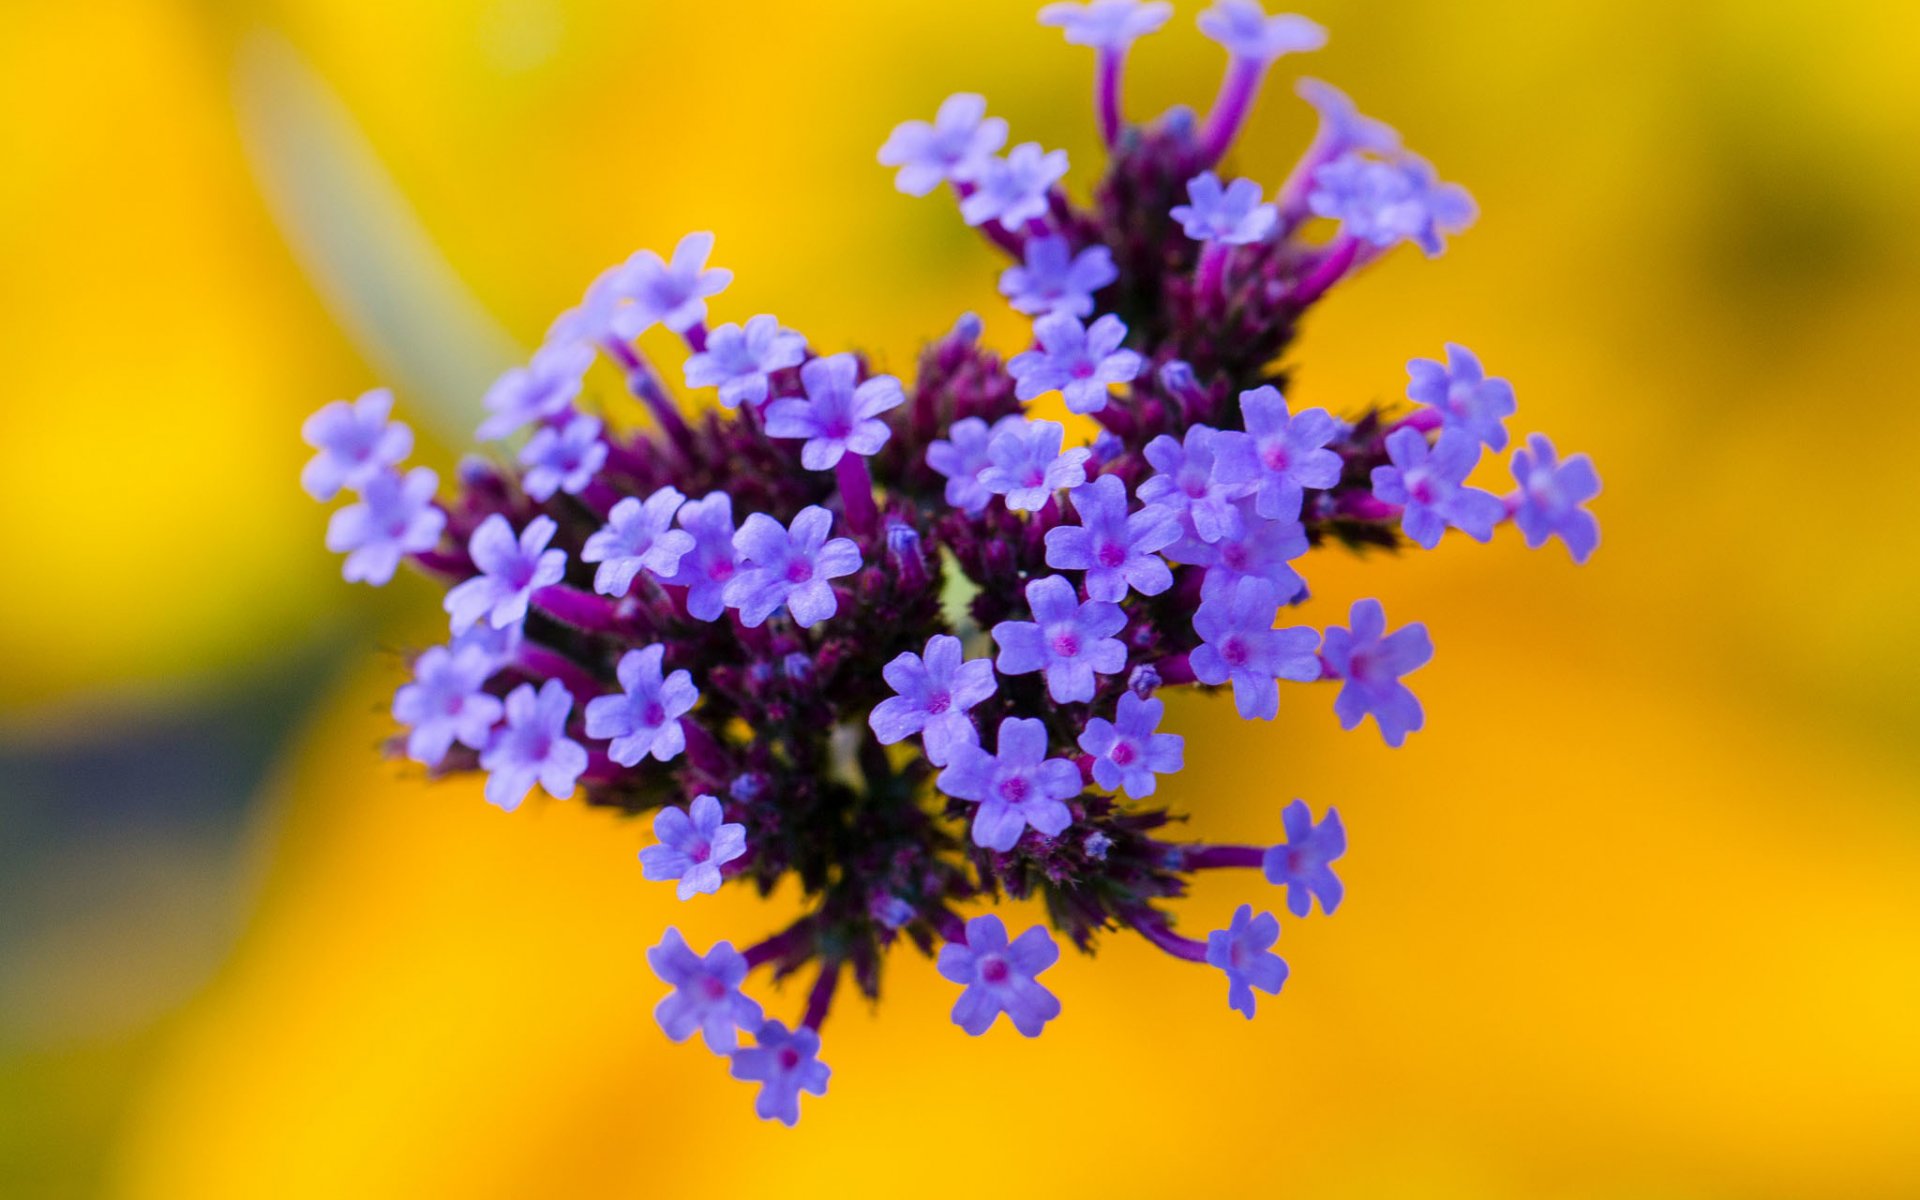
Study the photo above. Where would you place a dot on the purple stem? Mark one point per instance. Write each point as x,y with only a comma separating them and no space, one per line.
1426,420
1331,268
1291,199
1106,92
1237,90
541,663
994,231
582,610
1212,274
643,384
951,927
696,336
1153,927
702,750
856,493
1174,671
442,562
820,999
1365,506
1201,858
780,945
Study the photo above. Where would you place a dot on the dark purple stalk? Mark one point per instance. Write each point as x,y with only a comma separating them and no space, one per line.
642,382
1153,927
582,610
1237,90
1201,858
1331,268
1106,91
820,999
540,663
856,493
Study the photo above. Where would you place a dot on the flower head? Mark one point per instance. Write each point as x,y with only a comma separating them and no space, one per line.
789,566
1069,639
1080,362
447,702
1016,786
511,571
710,565
1118,550
1014,190
1026,464
637,536
356,443
1383,203
933,693
1463,395
706,993
395,517
1248,33
540,391
1282,454
1429,481
1301,863
1550,496
1243,951
1106,24
1233,216
564,459
694,845
1127,752
835,416
1186,480
644,719
955,147
1240,644
1055,279
1001,977
533,747
738,361
672,293
1371,661
784,1064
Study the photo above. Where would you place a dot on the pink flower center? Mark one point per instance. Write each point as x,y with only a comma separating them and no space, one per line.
995,970
1065,645
1111,554
1123,753
799,571
938,703
1013,790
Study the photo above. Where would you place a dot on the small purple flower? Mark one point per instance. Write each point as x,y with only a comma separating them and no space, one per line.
706,993
500,646
1081,362
1127,753
533,747
961,456
1248,33
934,695
511,572
447,702
737,361
1239,643
637,536
1300,864
1070,640
1016,786
1233,216
1013,190
674,293
564,459
395,517
1117,549
539,391
710,565
1463,396
1283,454
644,718
1185,479
1054,279
1371,661
1342,127
1243,951
1550,496
956,146
1001,977
784,1064
835,417
356,443
694,845
1429,481
1258,549
1026,464
789,566
1382,203
1106,24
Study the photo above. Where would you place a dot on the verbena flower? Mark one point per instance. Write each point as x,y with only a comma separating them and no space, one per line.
900,649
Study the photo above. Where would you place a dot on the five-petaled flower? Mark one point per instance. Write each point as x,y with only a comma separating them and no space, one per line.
1463,395
1301,864
356,443
1001,977
1342,126
1258,548
789,566
1282,454
1127,752
1233,216
543,390
738,361
1069,639
1371,661
1014,190
835,417
511,571
1239,643
1118,550
1080,362
1248,33
711,563
694,844
1016,786
447,702
1244,951
1383,203
1106,24
784,1064
1025,463
395,517
1052,278
955,147
673,293
563,459
706,993
962,455
533,747
1551,493
644,717
933,695
1187,479
637,536
1429,481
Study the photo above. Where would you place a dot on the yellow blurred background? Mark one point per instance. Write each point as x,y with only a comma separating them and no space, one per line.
1637,915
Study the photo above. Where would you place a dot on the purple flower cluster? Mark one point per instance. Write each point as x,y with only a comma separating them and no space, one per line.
898,642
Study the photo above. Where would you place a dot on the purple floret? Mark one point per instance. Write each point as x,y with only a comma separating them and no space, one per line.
1243,951
1300,864
706,993
1016,786
694,845
1127,753
637,537
1106,24
1026,464
1550,496
1054,279
1118,550
789,566
564,459
738,361
644,718
1248,33
1463,396
934,694
1372,662
1240,644
1382,203
835,417
710,565
1013,190
533,747
1283,454
1342,127
1231,216
955,147
511,572
1080,362
447,703
1259,549
962,455
1069,639
356,443
673,293
395,517
784,1064
1187,480
1429,482
1001,977
540,391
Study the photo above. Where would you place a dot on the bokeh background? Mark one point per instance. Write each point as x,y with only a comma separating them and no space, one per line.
1636,915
